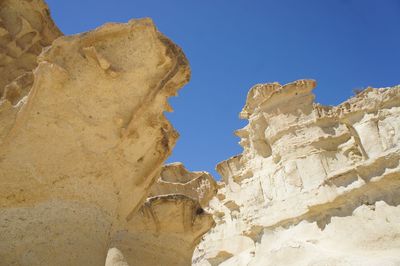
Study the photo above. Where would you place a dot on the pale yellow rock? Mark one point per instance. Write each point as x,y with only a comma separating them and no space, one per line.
25,28
315,185
176,179
80,152
167,228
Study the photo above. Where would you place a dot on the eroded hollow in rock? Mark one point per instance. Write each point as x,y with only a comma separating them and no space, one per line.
171,222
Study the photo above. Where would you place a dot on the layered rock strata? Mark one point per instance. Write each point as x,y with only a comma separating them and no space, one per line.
315,185
169,225
80,152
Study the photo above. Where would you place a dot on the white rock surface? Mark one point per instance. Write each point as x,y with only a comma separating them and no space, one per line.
315,185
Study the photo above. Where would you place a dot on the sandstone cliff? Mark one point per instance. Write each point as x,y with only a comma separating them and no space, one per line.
315,185
83,142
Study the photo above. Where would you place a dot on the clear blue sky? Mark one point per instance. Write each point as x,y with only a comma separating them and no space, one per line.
232,45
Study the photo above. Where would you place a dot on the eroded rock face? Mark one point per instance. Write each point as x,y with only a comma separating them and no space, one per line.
79,154
315,185
25,28
169,225
83,139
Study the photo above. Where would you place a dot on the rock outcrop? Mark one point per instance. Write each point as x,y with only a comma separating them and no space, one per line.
169,225
315,185
80,152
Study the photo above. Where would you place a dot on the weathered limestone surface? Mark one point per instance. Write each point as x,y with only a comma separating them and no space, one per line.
83,139
25,28
79,153
169,225
315,185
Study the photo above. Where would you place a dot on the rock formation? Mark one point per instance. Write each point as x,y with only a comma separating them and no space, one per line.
83,140
80,152
315,185
169,225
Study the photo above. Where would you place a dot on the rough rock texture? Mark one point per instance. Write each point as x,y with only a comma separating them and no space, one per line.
83,139
315,185
80,152
169,225
25,28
